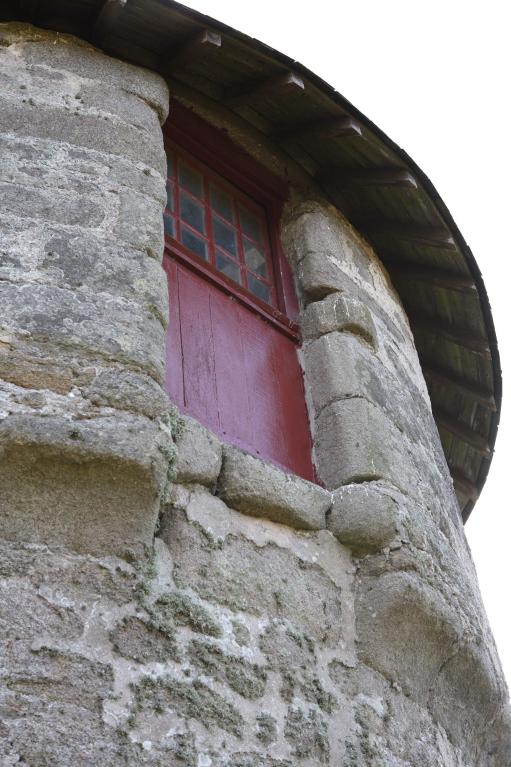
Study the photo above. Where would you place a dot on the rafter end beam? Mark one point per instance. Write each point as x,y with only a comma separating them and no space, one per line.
368,177
199,46
435,277
321,130
107,17
432,236
445,378
286,82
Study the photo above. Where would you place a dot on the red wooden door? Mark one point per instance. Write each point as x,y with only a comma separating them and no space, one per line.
235,372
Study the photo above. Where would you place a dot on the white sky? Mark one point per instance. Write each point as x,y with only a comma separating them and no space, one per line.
435,77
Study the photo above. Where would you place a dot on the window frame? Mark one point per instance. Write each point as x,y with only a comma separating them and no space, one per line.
208,146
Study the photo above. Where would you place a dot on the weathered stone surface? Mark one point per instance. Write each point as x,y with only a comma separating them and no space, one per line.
356,441
60,53
265,577
340,366
83,298
199,453
261,490
125,390
92,485
319,275
106,325
55,676
338,312
364,516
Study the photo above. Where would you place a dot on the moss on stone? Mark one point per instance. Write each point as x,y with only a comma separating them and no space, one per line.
183,749
266,728
307,734
254,759
241,633
247,679
179,608
143,641
191,701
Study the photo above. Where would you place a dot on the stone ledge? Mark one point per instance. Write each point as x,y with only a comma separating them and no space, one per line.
92,485
338,312
258,489
365,516
199,453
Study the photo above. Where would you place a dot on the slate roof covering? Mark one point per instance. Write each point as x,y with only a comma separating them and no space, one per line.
373,181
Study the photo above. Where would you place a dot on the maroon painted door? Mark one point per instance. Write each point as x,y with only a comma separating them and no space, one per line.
235,372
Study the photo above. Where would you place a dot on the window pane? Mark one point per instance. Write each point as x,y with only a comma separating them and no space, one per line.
190,179
254,258
250,224
225,237
259,289
170,196
171,172
194,243
191,211
221,203
227,267
168,225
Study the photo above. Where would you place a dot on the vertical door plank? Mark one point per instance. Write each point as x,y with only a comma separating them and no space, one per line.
199,375
235,417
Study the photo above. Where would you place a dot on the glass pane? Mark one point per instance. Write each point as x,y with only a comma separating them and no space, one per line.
221,203
254,258
227,267
191,211
170,196
168,225
190,179
259,289
194,243
251,225
225,237
171,172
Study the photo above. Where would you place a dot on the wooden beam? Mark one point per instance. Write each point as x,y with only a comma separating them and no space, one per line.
476,441
195,48
440,279
457,336
332,127
281,83
106,19
464,485
386,177
446,378
432,236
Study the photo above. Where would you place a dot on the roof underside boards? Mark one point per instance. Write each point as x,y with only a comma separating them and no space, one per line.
376,185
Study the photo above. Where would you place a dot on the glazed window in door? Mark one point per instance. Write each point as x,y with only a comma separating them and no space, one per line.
231,351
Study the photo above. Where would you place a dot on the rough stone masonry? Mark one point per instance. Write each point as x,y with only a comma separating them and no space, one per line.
166,599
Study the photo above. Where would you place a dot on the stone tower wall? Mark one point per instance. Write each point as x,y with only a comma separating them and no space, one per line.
166,599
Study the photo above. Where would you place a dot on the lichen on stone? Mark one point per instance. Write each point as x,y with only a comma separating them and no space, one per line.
266,728
179,608
247,679
307,734
143,641
190,701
